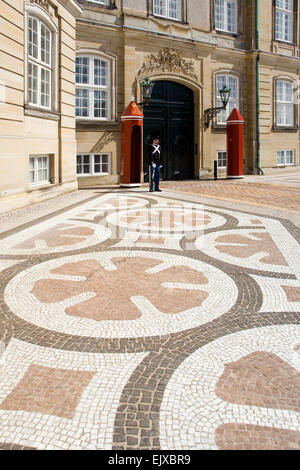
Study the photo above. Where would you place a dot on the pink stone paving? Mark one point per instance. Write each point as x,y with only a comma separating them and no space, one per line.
292,293
260,379
251,247
152,240
114,289
59,235
49,391
166,218
151,383
116,202
249,437
256,194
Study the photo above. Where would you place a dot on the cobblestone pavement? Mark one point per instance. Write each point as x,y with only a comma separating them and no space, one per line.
270,193
135,321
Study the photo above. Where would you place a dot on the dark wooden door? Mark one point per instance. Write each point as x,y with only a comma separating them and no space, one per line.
170,115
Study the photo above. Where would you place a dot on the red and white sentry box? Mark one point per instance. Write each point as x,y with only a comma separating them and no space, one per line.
235,145
132,141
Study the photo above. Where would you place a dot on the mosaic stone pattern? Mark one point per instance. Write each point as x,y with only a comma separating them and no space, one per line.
259,194
250,437
46,390
137,321
260,379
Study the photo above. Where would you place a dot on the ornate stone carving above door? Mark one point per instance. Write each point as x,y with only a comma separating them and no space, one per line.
168,60
42,3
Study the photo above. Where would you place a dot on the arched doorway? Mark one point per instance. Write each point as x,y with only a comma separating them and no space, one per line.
170,115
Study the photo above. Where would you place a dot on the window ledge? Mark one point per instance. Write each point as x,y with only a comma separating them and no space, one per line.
220,32
284,43
166,18
285,128
285,165
41,113
95,122
219,128
91,3
42,186
89,175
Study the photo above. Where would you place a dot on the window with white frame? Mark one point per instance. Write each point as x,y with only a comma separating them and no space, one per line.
90,164
226,15
232,83
284,103
168,8
39,169
93,88
39,63
284,20
285,157
222,159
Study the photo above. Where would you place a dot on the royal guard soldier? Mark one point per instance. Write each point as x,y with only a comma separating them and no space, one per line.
154,164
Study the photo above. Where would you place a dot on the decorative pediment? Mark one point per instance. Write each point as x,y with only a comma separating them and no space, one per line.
168,60
42,3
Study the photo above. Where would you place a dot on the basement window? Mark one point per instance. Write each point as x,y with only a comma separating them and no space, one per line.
39,170
285,157
222,159
91,164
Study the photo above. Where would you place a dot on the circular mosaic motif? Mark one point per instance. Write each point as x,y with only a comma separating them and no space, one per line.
47,238
120,294
166,220
249,248
250,378
120,202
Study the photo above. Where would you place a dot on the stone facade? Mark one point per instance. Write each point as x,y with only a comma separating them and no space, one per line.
131,41
136,40
30,132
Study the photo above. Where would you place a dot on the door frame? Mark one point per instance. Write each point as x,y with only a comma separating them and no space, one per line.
197,88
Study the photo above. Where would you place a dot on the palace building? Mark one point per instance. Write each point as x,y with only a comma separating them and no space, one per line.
37,106
70,68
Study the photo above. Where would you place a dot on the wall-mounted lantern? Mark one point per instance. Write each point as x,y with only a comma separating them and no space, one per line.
211,113
147,87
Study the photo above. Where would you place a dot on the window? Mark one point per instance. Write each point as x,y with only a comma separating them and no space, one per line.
222,159
284,20
232,83
93,85
39,172
285,157
93,164
284,103
168,8
226,15
39,67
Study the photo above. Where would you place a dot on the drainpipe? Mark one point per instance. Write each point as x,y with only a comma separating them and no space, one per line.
260,170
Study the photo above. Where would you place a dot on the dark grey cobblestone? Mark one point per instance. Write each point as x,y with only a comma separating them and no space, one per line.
136,423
